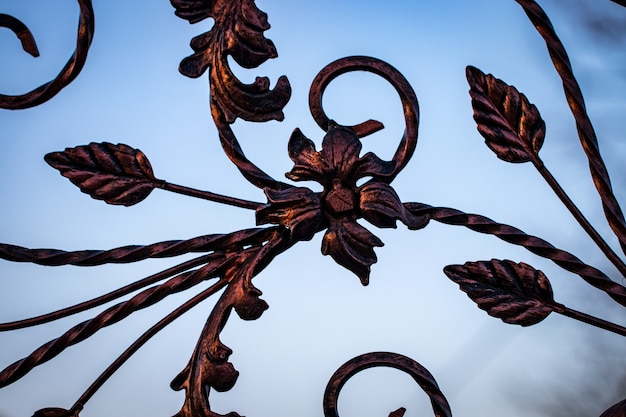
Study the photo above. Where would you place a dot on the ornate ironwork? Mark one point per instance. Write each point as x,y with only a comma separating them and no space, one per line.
354,187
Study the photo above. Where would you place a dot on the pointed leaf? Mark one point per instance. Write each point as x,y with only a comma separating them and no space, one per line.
381,206
514,293
296,208
117,174
351,246
511,125
340,149
309,164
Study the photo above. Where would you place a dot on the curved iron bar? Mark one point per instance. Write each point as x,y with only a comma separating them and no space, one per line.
237,32
133,253
95,386
255,175
108,317
393,360
586,133
403,88
70,71
534,244
21,31
582,220
113,295
126,254
209,367
241,265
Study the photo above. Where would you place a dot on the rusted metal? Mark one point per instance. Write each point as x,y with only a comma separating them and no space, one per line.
514,292
21,31
69,72
360,363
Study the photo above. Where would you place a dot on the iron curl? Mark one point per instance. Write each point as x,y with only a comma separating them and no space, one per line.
70,71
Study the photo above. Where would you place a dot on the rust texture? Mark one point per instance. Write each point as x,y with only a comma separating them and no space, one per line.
69,72
119,174
420,375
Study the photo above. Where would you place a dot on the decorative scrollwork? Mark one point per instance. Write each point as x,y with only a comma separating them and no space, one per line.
512,127
70,71
419,374
21,31
238,32
337,167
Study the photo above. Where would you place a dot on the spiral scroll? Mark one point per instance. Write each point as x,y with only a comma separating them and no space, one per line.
70,71
393,360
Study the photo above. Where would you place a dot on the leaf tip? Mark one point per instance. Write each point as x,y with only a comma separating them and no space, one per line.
473,74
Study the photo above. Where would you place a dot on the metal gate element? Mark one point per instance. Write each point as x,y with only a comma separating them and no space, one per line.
354,186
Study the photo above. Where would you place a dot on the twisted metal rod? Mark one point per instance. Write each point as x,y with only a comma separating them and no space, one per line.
132,253
217,243
113,295
420,374
579,216
533,244
95,386
576,102
110,316
21,31
70,71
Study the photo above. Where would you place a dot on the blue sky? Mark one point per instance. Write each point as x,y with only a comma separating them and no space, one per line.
320,316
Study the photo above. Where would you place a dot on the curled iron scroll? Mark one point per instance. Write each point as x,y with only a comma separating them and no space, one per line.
69,72
403,88
393,360
21,31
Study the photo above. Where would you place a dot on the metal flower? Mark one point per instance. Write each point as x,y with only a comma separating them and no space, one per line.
338,167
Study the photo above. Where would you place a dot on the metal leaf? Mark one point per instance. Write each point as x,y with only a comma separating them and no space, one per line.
511,125
117,174
514,293
381,206
351,246
237,32
296,208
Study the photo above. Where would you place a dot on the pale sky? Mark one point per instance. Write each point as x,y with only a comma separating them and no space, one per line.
320,316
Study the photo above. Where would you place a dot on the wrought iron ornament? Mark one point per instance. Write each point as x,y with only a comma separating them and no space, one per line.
119,174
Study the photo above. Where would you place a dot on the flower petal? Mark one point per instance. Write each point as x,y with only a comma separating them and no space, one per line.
381,206
298,209
340,150
309,164
351,246
370,165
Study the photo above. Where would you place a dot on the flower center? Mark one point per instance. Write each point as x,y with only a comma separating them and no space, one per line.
340,200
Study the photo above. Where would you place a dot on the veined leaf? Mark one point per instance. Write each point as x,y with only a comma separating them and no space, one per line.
514,293
117,174
511,125
351,246
238,32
